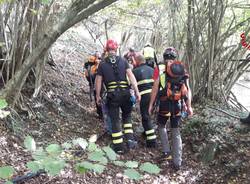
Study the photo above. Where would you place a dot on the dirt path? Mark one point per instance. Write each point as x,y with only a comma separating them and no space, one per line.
63,112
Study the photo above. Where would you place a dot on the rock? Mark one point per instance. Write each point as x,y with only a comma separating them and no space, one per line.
209,151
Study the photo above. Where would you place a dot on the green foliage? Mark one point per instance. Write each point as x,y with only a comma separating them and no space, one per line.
90,166
150,168
119,163
132,174
34,166
131,164
30,143
3,102
6,172
80,168
192,126
110,153
92,147
54,150
39,154
52,159
53,166
98,156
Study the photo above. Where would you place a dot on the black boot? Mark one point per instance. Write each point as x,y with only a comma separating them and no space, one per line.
151,143
245,120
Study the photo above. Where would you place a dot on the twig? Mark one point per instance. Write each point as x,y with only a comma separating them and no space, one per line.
238,103
242,85
220,110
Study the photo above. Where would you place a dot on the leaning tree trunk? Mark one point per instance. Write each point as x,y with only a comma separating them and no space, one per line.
209,54
77,11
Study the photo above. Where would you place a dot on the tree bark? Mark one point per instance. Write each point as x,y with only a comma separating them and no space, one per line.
77,11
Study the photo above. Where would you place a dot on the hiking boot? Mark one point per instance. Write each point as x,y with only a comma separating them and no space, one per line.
165,157
131,144
151,144
245,120
118,149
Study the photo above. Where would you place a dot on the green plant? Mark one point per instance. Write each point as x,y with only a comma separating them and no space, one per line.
55,157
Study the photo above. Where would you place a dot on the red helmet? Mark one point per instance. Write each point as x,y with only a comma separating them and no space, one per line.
111,45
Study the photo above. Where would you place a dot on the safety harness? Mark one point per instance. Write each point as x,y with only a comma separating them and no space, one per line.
118,84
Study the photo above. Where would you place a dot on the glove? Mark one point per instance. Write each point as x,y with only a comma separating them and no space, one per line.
133,100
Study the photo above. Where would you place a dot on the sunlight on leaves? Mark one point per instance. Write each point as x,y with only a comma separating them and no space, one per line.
6,172
132,174
30,143
81,142
150,168
110,153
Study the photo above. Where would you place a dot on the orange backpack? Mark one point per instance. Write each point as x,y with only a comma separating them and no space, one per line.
173,82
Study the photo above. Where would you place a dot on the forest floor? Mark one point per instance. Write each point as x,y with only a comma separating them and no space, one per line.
63,111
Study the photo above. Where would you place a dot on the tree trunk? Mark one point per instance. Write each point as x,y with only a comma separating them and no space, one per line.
77,11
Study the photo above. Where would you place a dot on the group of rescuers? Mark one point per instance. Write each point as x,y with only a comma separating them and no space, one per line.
163,86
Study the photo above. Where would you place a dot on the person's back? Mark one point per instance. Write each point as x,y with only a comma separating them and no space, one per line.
149,55
175,94
113,71
143,74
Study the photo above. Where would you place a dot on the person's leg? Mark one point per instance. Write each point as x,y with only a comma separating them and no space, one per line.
117,135
98,107
146,121
126,108
176,141
163,134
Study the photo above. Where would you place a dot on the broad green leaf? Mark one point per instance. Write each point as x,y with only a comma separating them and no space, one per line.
98,156
87,165
98,168
53,166
6,172
119,163
81,169
93,138
93,167
30,143
110,153
132,174
3,103
150,168
67,145
39,154
81,142
54,149
92,147
34,166
131,164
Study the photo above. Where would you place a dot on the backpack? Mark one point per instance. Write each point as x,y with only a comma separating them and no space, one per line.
173,82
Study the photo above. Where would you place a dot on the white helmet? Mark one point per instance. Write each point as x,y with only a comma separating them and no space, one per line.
148,44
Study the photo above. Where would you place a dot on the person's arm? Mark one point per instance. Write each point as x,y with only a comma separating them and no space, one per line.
98,86
153,95
189,99
133,82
